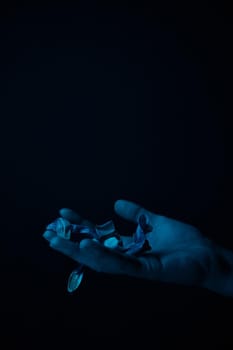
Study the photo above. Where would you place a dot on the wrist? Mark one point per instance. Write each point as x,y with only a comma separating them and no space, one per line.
220,276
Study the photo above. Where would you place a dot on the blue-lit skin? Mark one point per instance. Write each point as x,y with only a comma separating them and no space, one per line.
105,234
180,253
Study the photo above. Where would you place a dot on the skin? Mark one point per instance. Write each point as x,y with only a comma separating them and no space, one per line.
180,253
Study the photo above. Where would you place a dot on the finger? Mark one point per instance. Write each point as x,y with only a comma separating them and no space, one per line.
129,210
74,218
49,234
100,258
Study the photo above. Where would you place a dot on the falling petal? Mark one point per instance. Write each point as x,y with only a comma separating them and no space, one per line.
75,279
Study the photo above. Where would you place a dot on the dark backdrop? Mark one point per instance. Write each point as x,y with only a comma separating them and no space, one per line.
101,101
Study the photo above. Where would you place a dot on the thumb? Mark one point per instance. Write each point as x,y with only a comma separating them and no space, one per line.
130,210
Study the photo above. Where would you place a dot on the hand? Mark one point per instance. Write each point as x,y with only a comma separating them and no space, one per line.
179,254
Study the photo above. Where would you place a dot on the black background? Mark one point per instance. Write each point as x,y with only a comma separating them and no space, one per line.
100,101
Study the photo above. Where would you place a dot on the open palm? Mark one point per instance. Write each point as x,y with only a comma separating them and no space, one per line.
179,253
